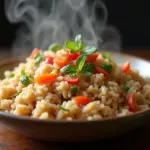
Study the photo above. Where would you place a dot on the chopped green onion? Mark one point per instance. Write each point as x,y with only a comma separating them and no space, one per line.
107,55
107,67
23,72
54,47
73,89
38,58
25,80
12,75
126,88
17,94
64,109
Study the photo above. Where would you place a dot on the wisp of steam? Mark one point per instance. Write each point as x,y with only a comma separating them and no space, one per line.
43,22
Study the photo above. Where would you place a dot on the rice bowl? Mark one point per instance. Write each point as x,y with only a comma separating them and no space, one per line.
74,82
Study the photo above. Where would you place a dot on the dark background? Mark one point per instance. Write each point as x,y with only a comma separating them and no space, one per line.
131,17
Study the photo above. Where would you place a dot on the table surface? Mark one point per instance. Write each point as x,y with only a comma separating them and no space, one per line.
138,139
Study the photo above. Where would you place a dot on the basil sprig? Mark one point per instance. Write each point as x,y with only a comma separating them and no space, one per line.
81,67
54,47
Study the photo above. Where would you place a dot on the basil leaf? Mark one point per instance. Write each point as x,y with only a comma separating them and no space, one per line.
73,89
107,67
70,45
89,50
87,73
80,62
38,58
64,109
23,72
12,75
54,47
89,67
69,69
78,41
73,74
25,80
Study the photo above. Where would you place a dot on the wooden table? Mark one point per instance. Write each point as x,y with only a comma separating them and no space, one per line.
135,140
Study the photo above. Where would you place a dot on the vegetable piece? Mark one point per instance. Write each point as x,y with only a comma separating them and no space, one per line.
82,100
12,75
74,56
54,47
49,60
78,41
25,80
73,89
46,78
107,55
80,62
69,69
23,72
126,88
92,58
89,50
100,70
73,81
17,94
71,45
62,108
107,67
38,58
132,103
61,61
125,67
34,52
88,69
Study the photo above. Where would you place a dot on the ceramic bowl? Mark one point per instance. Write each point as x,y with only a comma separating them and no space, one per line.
77,130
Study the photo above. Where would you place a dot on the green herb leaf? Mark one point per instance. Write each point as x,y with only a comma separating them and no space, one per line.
73,74
71,45
23,73
78,41
54,47
126,88
107,67
80,62
69,69
73,89
12,75
25,80
38,58
107,55
89,67
17,94
87,73
89,50
64,109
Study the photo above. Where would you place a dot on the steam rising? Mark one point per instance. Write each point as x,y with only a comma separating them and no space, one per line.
47,21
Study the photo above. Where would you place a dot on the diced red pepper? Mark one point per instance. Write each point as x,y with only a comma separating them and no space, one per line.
74,56
82,100
100,70
73,81
49,60
132,103
34,52
92,58
125,67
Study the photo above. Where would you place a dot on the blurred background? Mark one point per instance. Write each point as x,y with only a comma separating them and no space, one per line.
130,17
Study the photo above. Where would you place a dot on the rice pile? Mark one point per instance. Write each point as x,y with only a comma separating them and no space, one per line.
110,92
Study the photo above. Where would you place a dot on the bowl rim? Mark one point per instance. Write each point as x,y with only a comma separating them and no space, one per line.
17,59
